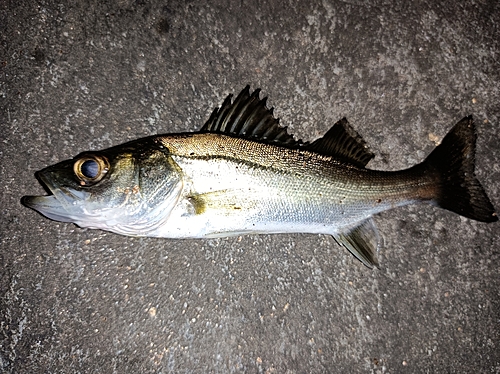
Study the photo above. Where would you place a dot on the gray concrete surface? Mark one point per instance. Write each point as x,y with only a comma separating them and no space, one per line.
87,75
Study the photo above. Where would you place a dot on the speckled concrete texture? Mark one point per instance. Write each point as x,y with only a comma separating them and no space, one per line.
85,75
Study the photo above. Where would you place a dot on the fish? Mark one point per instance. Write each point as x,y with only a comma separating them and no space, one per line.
243,173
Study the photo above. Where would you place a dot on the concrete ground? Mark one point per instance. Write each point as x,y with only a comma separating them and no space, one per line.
86,75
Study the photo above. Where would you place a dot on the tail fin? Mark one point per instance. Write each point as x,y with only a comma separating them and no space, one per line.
453,160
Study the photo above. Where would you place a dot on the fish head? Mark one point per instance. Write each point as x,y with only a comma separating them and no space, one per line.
129,189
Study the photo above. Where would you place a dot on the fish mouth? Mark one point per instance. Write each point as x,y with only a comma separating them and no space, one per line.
60,202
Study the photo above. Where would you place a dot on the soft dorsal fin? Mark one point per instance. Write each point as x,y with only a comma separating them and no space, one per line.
344,143
248,117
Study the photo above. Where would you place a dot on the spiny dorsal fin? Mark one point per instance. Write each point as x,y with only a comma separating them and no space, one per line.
362,241
344,143
248,117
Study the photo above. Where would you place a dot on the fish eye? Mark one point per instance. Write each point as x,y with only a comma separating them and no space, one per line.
90,169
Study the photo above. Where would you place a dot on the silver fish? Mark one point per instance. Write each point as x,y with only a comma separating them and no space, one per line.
244,174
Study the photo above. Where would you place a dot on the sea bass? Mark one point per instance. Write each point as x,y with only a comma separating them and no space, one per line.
243,173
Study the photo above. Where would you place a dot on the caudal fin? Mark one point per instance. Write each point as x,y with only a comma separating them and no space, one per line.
453,160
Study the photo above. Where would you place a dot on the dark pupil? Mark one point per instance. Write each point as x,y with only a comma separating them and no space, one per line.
90,169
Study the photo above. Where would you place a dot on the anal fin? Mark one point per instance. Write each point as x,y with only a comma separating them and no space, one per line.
362,241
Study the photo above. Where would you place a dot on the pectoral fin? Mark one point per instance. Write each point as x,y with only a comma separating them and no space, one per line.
362,241
226,202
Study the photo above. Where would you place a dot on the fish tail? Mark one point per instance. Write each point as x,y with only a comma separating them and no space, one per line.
458,188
